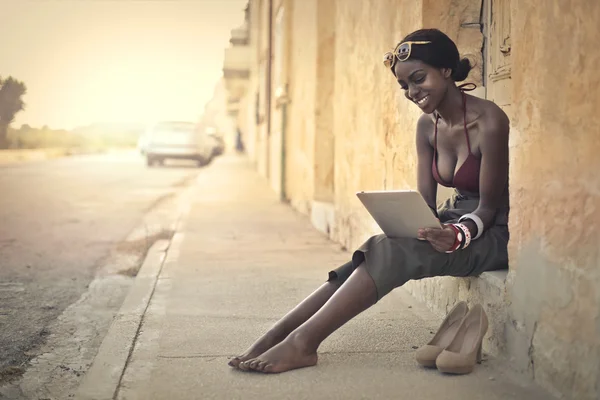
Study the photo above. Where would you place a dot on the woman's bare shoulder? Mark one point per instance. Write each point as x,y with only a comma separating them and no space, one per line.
492,118
425,127
425,124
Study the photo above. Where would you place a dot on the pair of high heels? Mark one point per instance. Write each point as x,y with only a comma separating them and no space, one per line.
456,346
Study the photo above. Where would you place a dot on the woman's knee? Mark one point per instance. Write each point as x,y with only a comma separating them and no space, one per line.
377,239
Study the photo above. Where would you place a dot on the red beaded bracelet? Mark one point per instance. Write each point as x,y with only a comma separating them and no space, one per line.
457,240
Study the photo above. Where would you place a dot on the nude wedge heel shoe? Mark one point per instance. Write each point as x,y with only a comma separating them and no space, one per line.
465,349
427,355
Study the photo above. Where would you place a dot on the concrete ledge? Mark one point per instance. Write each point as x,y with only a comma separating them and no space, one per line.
495,278
102,379
440,294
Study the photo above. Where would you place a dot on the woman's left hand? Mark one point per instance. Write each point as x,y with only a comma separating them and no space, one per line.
441,239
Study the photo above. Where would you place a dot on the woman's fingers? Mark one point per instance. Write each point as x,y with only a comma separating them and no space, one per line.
441,239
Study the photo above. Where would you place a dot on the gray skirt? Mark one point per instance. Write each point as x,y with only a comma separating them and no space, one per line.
393,262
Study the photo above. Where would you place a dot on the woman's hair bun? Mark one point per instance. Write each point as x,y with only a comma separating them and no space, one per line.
461,71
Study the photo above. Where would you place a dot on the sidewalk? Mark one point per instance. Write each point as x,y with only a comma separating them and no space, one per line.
241,260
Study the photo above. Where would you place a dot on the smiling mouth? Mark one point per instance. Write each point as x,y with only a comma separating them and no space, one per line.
422,101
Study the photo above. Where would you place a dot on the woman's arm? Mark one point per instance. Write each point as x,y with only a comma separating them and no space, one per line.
426,184
494,168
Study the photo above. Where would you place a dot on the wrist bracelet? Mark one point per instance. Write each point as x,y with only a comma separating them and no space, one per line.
463,237
478,222
467,235
457,240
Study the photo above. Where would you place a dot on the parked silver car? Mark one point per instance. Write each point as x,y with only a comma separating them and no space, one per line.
177,140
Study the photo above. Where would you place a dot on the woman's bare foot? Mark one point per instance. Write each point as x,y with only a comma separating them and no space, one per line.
292,320
287,355
263,344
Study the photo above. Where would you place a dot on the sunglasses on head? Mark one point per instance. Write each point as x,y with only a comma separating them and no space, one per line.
400,53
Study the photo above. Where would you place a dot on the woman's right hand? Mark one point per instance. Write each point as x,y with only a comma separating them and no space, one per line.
441,239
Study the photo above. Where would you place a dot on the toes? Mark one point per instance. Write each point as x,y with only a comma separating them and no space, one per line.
245,365
254,364
261,365
234,362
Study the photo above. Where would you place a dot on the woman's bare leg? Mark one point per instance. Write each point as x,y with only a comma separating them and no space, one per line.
299,348
293,319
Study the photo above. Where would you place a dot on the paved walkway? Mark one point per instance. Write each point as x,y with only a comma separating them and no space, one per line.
241,260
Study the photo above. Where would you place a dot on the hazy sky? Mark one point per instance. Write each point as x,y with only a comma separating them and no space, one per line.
87,61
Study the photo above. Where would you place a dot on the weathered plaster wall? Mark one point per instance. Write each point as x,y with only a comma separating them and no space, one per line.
300,133
374,126
262,54
278,78
247,116
461,21
550,326
554,283
324,129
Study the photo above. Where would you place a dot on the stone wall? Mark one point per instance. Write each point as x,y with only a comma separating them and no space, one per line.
554,282
461,21
302,84
261,75
246,119
545,317
324,162
374,124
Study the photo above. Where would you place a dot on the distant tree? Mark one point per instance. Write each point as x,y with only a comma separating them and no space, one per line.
11,102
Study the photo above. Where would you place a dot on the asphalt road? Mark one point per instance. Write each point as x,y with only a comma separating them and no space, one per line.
59,221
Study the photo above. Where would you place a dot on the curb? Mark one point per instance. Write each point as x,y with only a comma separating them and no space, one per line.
102,380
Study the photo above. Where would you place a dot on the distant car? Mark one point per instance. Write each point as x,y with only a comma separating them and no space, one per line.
177,140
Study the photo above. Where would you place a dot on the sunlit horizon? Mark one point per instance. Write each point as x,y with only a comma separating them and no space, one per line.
87,62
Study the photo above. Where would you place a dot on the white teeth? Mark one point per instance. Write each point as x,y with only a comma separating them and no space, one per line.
423,100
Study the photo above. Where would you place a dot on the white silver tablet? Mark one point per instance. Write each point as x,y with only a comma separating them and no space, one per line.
399,213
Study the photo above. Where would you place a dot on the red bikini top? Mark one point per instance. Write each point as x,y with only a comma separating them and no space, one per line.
467,176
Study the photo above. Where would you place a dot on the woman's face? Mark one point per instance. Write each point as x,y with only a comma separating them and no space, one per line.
423,84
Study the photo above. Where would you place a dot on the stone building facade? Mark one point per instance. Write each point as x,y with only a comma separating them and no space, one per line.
322,119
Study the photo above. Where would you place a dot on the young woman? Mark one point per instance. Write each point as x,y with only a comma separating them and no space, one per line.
462,142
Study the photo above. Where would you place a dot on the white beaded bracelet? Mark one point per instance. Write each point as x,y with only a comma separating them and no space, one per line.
467,234
478,222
